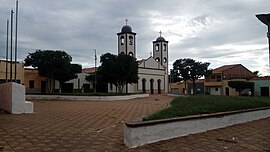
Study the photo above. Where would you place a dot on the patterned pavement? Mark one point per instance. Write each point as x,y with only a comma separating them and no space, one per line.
98,126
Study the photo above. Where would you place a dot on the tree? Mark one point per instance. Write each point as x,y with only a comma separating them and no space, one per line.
119,70
189,69
54,65
241,85
256,73
69,72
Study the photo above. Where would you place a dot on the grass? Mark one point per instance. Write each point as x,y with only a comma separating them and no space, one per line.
192,105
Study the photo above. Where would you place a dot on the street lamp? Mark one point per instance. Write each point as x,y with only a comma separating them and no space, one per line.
265,18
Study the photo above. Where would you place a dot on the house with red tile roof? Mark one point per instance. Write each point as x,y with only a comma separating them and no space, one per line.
217,82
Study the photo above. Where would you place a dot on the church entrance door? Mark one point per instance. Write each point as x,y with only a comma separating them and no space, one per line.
152,86
159,83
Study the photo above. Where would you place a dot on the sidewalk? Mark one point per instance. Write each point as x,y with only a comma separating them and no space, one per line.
98,126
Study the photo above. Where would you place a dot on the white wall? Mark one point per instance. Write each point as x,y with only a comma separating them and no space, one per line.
12,99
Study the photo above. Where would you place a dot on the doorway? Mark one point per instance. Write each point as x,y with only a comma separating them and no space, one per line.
151,86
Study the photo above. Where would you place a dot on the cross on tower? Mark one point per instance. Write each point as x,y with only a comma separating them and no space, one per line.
160,33
126,21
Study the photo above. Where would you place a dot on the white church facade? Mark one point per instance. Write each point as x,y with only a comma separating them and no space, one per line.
152,72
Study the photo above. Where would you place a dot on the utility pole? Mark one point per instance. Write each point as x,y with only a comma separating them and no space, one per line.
95,71
11,38
7,52
16,40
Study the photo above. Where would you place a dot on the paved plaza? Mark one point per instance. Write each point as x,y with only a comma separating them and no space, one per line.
98,126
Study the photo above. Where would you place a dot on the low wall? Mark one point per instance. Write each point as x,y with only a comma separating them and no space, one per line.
12,99
85,98
140,133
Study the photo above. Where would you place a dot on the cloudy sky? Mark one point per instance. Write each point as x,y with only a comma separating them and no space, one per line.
219,32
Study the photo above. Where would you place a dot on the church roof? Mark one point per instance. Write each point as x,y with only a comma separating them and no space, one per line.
126,29
160,39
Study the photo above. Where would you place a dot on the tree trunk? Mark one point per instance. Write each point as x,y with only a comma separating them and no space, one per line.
194,87
185,87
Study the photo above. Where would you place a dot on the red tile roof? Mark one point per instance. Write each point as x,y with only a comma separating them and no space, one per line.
224,68
262,78
88,70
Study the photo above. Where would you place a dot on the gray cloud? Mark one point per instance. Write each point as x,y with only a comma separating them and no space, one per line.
211,31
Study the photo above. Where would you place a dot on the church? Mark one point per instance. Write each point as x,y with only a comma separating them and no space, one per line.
152,71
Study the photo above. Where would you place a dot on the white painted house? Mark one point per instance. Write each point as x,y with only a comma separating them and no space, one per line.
153,71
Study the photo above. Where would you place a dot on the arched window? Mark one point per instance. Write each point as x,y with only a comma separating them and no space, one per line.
164,60
130,53
164,47
130,40
157,59
157,47
122,53
122,39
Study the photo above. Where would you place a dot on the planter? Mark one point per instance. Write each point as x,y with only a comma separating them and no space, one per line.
140,133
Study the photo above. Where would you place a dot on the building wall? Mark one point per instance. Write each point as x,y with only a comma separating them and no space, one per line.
32,75
258,84
77,83
232,91
199,88
20,71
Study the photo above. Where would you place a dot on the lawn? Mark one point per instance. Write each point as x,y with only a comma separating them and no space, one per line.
202,104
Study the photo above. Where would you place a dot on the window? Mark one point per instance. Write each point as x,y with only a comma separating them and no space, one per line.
157,59
216,89
157,47
164,60
31,84
213,77
122,39
130,54
130,40
219,78
164,47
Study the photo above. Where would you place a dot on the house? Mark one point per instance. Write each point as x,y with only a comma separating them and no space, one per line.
217,82
33,82
261,86
180,87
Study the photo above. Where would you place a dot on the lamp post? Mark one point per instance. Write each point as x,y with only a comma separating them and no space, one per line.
265,18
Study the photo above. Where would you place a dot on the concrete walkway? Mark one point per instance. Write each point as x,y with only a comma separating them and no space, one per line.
98,126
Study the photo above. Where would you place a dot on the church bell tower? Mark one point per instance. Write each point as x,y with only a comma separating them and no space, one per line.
127,41
160,51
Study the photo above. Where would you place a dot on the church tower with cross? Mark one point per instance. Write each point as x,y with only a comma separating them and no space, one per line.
127,41
152,71
160,50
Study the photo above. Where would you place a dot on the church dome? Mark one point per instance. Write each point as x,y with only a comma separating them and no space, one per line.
160,39
126,29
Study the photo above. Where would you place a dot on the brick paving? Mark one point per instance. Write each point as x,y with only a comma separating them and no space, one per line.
98,126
